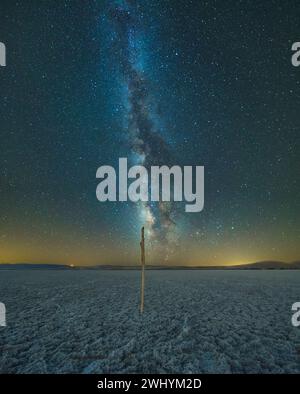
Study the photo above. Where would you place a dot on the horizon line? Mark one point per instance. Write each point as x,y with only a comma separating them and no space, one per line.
149,265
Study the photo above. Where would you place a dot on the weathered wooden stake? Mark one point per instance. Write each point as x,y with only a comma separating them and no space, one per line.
142,243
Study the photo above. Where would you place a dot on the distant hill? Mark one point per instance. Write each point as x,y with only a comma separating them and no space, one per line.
29,266
257,265
269,265
260,265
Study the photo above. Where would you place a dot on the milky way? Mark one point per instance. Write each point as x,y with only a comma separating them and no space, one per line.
146,140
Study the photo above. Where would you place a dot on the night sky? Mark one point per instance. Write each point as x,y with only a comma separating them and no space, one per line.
184,82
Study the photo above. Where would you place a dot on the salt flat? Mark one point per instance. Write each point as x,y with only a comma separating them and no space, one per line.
194,321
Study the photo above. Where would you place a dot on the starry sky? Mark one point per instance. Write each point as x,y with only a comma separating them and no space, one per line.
185,82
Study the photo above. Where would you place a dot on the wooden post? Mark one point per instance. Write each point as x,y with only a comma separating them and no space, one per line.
142,243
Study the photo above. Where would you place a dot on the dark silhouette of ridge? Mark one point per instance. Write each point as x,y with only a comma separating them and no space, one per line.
260,265
25,266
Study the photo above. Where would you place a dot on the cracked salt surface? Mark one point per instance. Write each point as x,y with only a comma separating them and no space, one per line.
194,322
